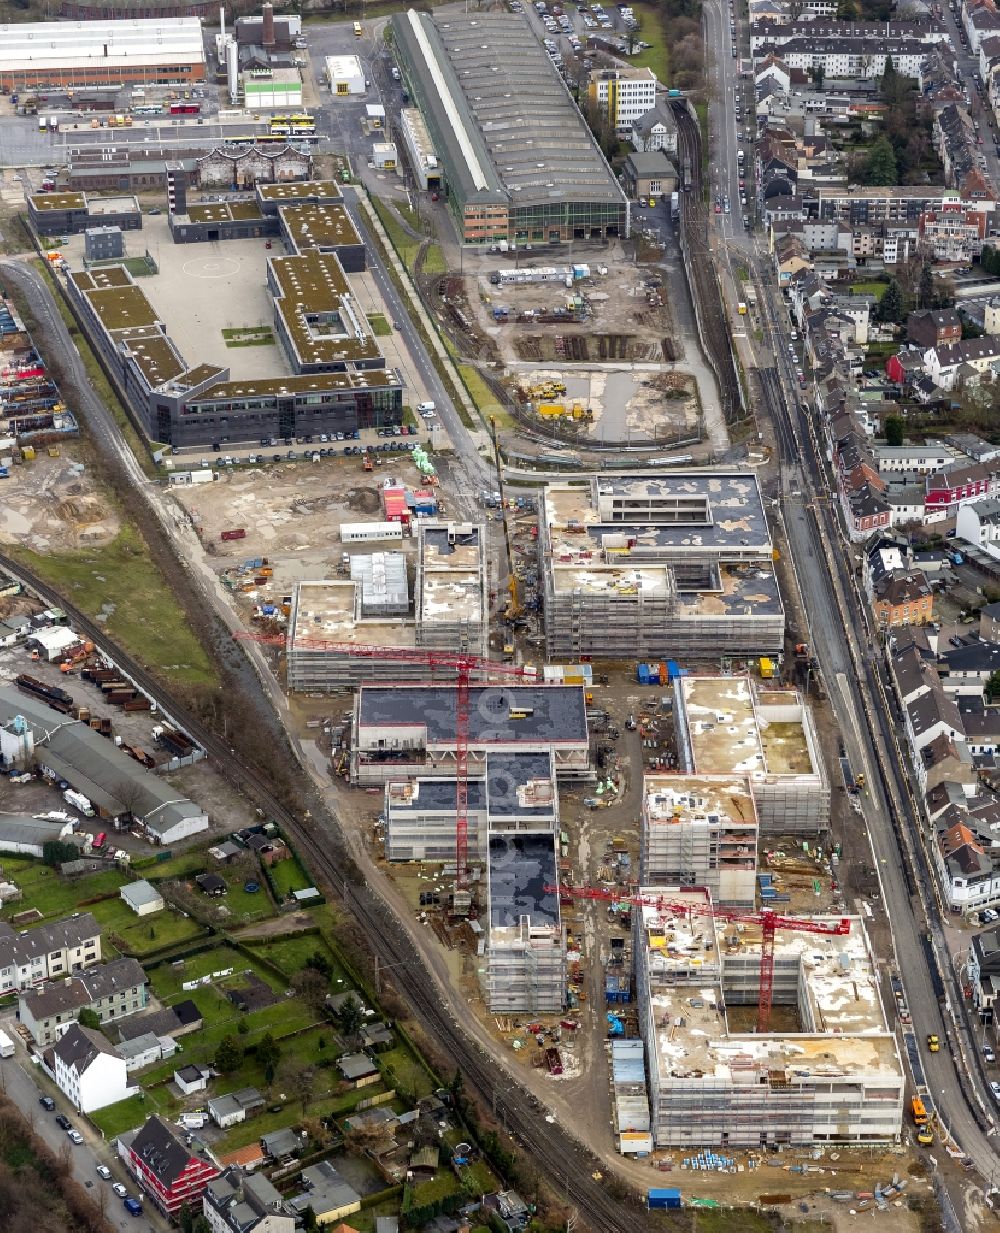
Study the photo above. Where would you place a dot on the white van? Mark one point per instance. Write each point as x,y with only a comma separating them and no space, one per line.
424,407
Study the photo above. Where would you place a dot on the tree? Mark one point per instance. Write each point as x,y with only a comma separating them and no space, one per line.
311,986
299,1080
309,1222
970,329
889,83
54,852
268,1055
890,307
229,1055
350,1016
925,290
89,1019
321,963
992,690
894,430
879,166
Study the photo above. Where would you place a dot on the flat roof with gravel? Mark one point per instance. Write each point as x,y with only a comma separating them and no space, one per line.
328,610
122,307
153,352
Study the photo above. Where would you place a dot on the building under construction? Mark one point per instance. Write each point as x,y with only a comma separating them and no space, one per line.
700,831
450,613
517,793
526,942
730,725
408,730
657,567
452,600
836,1077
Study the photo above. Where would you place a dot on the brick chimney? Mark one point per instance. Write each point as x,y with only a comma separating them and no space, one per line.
267,31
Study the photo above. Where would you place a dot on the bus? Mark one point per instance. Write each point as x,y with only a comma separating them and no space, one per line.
357,30
300,123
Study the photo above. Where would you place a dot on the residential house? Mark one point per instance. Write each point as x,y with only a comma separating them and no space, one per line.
235,1107
246,1158
47,952
979,524
211,884
235,1203
509,1208
983,971
88,1069
903,598
982,729
113,991
172,1021
965,669
928,327
942,364
327,1193
945,760
164,1167
958,485
142,897
930,715
656,129
192,1078
968,878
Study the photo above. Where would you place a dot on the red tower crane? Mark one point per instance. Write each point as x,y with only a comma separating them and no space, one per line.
766,918
463,666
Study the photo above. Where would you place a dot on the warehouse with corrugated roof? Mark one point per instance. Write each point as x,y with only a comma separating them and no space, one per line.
518,160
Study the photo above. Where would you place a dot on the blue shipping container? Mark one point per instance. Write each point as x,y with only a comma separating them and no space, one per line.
642,673
662,1197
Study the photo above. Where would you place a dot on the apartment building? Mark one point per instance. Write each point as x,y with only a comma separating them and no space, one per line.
169,1172
838,1078
658,566
112,990
903,597
236,1203
700,831
452,592
730,726
853,59
48,951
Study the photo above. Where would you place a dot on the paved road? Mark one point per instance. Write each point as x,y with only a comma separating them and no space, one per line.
25,1092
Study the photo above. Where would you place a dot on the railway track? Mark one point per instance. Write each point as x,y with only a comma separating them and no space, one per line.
567,1166
701,269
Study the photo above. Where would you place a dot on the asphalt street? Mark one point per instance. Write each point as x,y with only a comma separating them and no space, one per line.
21,1087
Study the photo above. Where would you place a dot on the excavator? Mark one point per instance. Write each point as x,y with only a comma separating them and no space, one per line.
514,612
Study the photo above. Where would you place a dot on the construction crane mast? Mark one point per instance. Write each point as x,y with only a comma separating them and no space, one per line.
463,666
515,607
766,919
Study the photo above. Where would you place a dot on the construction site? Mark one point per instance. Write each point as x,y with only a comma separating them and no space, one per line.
835,1075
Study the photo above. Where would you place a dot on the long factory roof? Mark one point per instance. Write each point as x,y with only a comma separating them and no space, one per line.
508,123
549,714
107,45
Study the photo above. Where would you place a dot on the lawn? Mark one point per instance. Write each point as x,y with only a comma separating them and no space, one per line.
651,30
246,906
407,1072
876,289
480,393
144,616
291,955
187,863
380,326
53,895
143,936
289,876
434,262
327,1100
115,1119
405,245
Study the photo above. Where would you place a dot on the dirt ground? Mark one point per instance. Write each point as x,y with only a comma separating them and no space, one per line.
53,503
627,302
291,513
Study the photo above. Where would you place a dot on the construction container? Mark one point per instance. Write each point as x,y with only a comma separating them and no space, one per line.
766,669
236,533
662,1197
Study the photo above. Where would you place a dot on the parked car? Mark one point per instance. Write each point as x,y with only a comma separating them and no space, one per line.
104,1171
47,1103
119,1190
988,1054
63,1122
75,1137
133,1206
